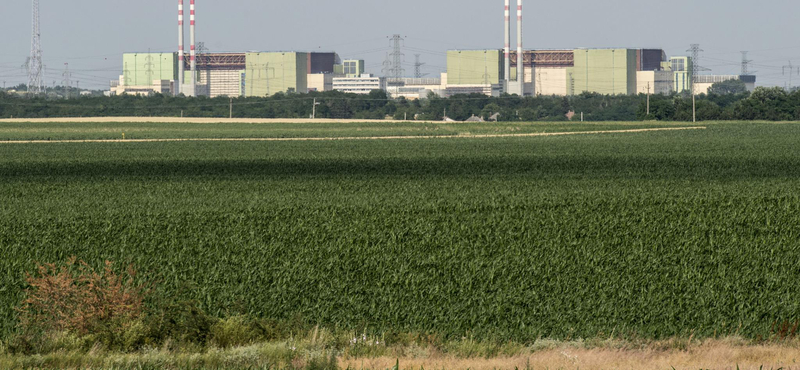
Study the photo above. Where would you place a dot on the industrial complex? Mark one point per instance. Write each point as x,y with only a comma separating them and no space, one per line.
490,72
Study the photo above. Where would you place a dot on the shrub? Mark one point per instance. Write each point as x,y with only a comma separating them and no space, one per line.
183,322
234,331
74,300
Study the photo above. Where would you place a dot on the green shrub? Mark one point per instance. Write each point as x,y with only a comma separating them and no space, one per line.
234,331
182,322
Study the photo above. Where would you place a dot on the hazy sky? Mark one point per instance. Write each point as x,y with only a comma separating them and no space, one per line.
91,35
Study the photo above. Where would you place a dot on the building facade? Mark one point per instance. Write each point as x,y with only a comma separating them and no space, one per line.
475,67
270,73
320,82
350,68
654,82
141,69
681,68
603,71
363,84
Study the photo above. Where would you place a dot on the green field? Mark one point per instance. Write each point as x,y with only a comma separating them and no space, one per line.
647,235
140,130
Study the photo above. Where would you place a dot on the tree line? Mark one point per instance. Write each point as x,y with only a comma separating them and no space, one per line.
723,102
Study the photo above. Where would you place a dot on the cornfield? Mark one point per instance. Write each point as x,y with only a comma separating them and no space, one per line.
647,235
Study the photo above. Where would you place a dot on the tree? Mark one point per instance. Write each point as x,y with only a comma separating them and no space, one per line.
728,87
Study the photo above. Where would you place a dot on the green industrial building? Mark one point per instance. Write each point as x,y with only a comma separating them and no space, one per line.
603,71
350,68
475,67
271,73
141,69
682,69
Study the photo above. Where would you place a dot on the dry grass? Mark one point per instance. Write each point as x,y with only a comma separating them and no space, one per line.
677,354
185,120
717,354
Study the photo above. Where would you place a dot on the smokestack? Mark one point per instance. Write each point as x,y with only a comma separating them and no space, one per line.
520,58
180,48
507,49
192,52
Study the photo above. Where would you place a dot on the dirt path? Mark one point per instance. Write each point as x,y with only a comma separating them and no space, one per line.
479,136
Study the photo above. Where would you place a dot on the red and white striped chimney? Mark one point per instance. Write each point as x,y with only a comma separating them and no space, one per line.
192,52
520,57
180,48
507,48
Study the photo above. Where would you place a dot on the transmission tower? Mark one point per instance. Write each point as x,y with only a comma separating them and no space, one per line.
745,64
387,65
34,64
695,50
66,82
397,71
149,65
418,67
792,70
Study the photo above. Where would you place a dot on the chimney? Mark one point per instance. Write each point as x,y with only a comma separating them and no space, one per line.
192,52
507,49
180,48
520,57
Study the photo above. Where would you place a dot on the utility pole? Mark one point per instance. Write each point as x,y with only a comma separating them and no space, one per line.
230,115
314,109
648,98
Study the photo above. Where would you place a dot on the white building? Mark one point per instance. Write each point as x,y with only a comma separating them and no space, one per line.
165,87
703,83
548,81
655,82
320,82
359,85
222,82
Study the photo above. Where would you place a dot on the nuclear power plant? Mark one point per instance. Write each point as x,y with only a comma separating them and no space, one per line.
491,72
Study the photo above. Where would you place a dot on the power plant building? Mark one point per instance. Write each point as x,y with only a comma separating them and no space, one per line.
141,69
350,68
703,83
363,84
322,62
654,82
681,68
545,70
604,71
475,67
270,73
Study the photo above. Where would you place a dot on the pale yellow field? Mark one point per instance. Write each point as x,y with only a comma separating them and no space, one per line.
710,355
185,120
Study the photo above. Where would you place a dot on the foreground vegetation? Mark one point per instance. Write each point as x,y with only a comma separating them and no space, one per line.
413,244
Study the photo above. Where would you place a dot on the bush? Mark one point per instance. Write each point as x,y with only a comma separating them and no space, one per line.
234,331
183,322
74,301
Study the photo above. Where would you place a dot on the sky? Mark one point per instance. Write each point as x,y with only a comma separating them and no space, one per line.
91,35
